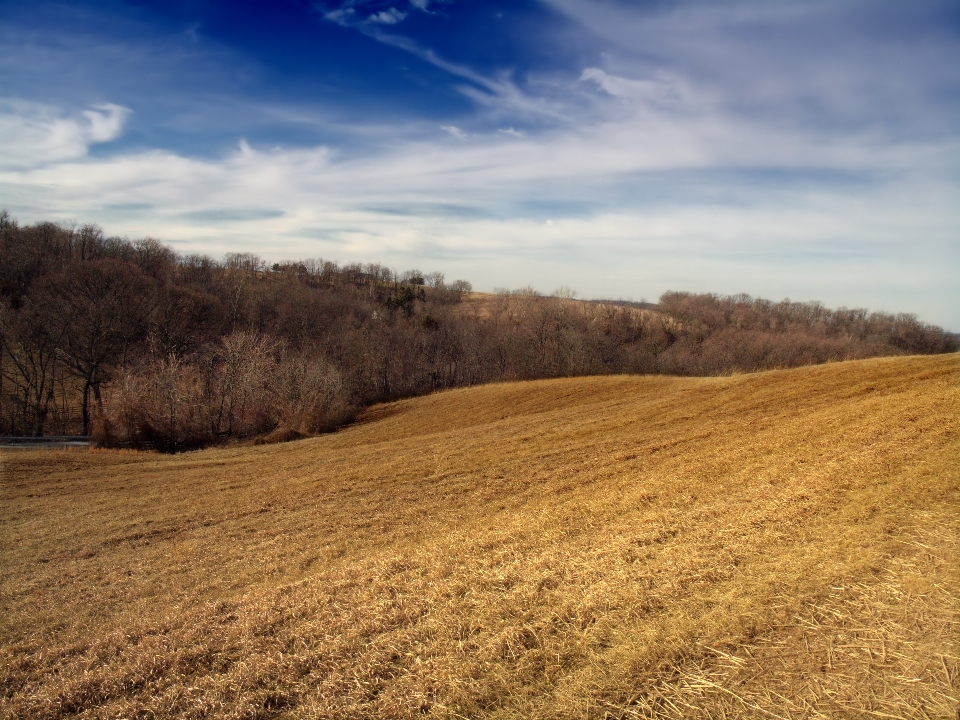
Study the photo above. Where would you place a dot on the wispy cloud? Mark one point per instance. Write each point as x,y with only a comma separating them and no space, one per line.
499,94
341,16
32,133
388,17
348,12
665,91
454,131
837,67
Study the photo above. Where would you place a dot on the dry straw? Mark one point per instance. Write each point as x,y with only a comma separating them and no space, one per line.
779,545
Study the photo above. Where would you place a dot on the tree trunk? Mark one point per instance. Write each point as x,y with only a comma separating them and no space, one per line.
85,406
43,408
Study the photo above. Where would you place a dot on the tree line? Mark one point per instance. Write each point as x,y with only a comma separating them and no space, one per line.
136,344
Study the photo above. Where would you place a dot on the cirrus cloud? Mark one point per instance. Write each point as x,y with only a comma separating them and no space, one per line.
33,133
390,16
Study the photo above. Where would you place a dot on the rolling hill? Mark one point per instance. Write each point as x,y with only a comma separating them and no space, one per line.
782,544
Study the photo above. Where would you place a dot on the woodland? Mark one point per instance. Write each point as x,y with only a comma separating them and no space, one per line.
137,345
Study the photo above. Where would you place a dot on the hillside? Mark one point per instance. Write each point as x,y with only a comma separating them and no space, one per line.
781,544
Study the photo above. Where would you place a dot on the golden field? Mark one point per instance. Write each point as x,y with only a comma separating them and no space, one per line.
777,545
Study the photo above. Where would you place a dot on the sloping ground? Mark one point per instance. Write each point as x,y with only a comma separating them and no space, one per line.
484,305
775,545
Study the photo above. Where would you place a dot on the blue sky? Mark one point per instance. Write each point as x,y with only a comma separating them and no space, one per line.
797,149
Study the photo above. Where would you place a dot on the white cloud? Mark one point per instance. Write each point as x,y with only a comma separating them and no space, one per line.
664,90
511,132
105,122
499,95
388,17
341,16
817,63
32,133
454,131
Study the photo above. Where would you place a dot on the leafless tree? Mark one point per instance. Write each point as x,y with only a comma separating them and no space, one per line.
103,307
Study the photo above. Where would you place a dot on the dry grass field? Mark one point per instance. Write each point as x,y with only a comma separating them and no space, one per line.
778,545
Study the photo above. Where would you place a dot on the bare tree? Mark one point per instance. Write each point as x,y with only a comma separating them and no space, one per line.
103,306
30,365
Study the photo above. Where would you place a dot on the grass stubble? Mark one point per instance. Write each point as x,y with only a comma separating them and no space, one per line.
778,545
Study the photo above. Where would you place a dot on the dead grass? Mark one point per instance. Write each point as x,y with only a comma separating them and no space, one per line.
775,545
